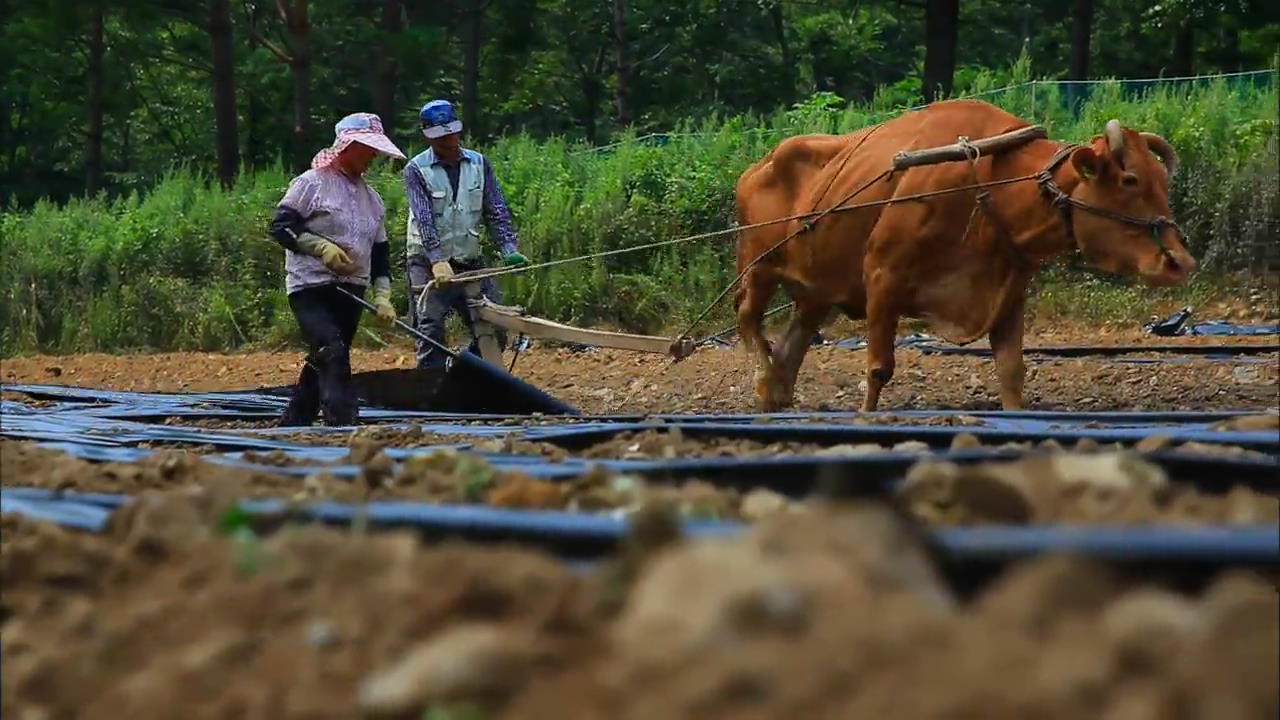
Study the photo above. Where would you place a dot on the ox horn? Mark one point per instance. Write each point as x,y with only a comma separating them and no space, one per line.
1163,149
1115,141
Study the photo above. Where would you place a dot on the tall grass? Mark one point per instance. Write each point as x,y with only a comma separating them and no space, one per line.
188,265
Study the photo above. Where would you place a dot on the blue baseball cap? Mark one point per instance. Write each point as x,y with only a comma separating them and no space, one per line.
439,119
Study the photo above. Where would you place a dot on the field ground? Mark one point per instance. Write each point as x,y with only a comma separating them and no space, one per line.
821,610
719,379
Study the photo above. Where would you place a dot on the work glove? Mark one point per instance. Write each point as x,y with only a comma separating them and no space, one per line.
330,253
382,300
515,259
442,271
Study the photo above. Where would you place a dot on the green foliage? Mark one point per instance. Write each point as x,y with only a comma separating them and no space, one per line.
248,555
1064,293
188,265
234,519
247,552
477,475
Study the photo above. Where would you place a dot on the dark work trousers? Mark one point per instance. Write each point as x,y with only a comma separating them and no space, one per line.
328,320
443,302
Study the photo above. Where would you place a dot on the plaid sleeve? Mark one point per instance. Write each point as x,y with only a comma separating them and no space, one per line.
496,213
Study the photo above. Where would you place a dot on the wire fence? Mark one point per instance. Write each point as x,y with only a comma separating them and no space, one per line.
1071,95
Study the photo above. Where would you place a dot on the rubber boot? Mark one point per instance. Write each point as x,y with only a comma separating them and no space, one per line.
336,392
304,403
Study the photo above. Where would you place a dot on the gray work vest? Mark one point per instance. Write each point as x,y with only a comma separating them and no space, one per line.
457,218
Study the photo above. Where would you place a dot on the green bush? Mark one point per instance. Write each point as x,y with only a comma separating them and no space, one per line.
189,266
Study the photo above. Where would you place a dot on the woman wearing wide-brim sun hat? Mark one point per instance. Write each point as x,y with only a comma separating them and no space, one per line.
331,224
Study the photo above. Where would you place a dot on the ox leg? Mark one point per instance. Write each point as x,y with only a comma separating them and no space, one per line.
1006,346
753,296
882,329
790,353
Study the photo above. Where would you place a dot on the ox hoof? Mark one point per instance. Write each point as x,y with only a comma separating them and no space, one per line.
768,399
772,403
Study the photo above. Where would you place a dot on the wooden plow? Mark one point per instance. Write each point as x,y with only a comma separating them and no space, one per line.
487,315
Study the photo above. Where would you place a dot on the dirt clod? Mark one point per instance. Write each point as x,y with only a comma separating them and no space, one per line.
1072,488
1251,423
479,661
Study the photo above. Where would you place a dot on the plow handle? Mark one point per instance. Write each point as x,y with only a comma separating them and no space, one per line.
400,324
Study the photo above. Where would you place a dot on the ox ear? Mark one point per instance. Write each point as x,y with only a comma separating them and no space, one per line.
1086,162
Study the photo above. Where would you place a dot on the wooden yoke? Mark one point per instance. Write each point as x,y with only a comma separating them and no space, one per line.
965,149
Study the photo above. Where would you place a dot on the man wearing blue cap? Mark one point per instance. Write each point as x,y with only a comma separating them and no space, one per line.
452,192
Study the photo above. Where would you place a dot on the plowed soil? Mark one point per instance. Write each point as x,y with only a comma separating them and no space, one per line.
720,379
836,614
1074,488
436,478
669,444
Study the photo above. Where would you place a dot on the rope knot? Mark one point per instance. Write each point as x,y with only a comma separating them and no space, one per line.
970,150
1057,198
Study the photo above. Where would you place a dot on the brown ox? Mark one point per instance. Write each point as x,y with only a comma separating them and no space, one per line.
964,271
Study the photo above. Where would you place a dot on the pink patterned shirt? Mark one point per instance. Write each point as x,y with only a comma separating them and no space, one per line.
336,207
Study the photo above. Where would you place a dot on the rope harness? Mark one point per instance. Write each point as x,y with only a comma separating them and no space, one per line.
982,202
1065,204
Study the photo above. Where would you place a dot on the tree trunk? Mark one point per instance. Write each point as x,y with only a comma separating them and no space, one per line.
93,137
384,84
301,114
471,69
1184,50
6,141
591,80
252,136
624,63
942,18
126,147
1025,27
591,99
1081,32
300,65
1231,48
788,62
224,92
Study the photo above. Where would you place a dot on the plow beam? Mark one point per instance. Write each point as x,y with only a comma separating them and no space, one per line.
516,320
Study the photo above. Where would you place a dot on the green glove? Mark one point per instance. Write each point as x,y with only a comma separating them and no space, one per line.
515,259
382,300
330,253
